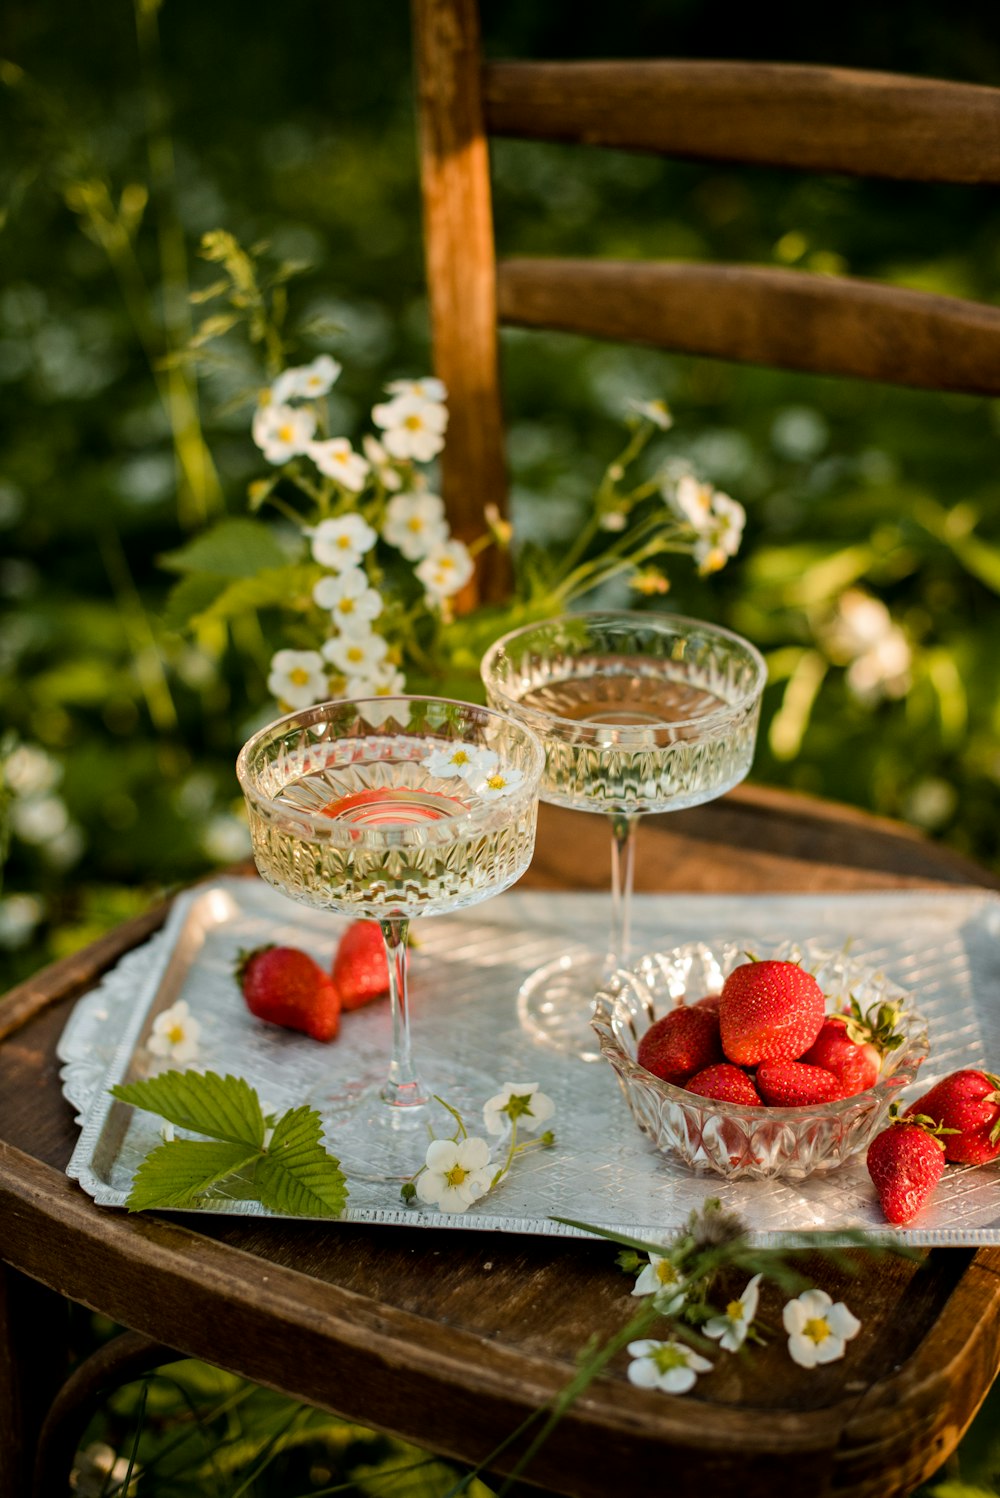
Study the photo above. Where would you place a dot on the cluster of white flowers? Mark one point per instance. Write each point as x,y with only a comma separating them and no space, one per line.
818,1330
457,1172
356,660
478,766
38,815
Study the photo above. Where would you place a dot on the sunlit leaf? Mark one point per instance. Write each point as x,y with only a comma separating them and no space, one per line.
297,1175
221,1107
178,1173
237,547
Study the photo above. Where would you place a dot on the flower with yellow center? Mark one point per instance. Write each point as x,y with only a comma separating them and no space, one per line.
412,427
298,678
415,524
731,1329
350,599
660,1278
336,458
818,1330
445,570
672,1367
282,432
455,1174
175,1033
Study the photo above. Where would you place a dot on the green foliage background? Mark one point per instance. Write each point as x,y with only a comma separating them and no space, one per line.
129,134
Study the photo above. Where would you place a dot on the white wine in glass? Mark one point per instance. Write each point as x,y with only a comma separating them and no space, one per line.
637,713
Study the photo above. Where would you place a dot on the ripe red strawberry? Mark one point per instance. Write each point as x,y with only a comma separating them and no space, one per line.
770,1011
905,1162
967,1102
710,1001
360,966
284,986
726,1083
793,1084
682,1042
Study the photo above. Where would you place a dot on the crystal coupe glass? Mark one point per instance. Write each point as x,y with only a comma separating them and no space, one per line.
391,808
638,713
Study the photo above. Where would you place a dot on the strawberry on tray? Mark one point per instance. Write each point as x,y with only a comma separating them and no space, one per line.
285,986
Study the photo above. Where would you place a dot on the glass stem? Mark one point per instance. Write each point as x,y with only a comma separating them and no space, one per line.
402,1088
622,869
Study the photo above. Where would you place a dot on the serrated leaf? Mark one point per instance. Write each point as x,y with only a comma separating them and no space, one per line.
277,586
221,1107
237,547
179,1173
298,1176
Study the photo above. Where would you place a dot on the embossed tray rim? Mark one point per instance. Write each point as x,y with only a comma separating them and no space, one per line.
171,956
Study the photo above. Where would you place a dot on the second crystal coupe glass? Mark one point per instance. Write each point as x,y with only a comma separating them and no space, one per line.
638,713
390,808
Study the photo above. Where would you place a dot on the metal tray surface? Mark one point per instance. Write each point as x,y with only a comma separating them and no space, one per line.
943,945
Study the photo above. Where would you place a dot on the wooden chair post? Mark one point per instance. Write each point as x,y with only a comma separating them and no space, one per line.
461,265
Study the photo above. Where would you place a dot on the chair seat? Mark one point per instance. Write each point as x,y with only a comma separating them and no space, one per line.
451,1340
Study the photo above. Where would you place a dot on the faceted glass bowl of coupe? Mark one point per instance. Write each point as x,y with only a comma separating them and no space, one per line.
386,809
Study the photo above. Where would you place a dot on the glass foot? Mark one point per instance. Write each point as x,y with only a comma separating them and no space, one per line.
555,1003
377,1140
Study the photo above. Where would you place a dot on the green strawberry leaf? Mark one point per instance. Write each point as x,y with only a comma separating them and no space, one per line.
235,547
179,1173
224,1108
297,1176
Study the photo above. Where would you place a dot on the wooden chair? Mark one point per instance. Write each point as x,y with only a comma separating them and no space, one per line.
809,118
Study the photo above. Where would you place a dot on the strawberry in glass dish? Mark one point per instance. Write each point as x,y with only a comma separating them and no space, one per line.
285,986
966,1104
794,1084
726,1083
770,1011
683,1041
853,1044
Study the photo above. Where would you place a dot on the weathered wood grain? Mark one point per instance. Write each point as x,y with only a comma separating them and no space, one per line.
458,239
753,314
775,114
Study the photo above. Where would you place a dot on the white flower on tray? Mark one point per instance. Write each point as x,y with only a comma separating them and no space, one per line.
175,1033
818,1330
456,1173
520,1103
671,1367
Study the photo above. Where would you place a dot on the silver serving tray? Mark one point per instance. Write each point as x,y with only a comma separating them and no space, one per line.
944,946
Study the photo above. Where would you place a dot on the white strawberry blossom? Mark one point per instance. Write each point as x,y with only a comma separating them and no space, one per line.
351,600
356,654
282,432
818,1330
412,427
518,1103
660,1278
499,782
656,411
298,678
863,636
306,381
717,520
445,569
470,761
415,524
456,1173
671,1367
336,458
342,542
426,389
730,1330
175,1033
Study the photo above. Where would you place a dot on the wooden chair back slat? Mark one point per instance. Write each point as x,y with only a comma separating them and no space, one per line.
780,318
774,114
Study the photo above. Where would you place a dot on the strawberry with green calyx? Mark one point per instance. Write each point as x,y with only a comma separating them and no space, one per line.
360,966
770,1011
905,1162
725,1083
795,1084
852,1044
284,986
966,1105
680,1043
